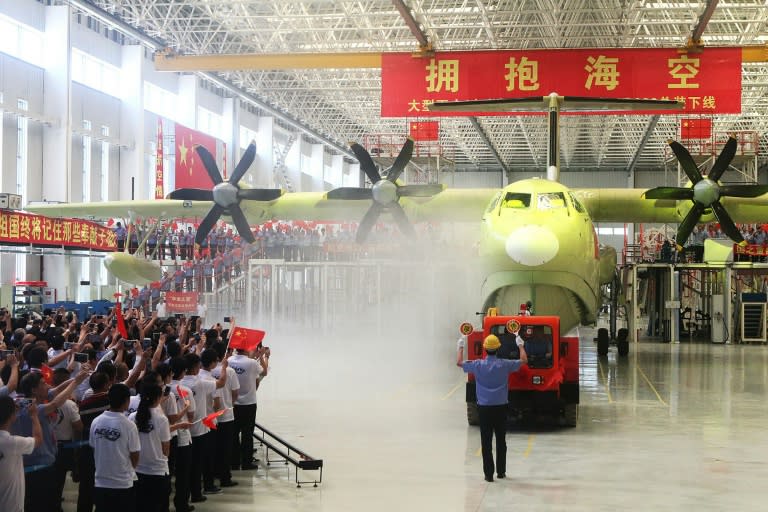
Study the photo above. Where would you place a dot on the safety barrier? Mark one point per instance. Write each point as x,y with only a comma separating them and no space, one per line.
289,453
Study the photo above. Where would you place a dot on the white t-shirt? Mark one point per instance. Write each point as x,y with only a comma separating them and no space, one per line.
12,468
185,438
61,364
113,438
151,459
226,392
202,392
133,405
248,371
169,408
66,415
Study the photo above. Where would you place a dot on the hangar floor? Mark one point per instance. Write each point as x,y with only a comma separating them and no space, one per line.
672,427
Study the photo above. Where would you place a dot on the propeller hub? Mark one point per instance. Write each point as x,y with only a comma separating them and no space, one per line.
384,192
706,192
225,195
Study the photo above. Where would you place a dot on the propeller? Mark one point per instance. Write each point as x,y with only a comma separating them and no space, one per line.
385,191
706,192
226,195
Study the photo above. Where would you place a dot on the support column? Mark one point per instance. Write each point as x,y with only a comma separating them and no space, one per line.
262,169
134,176
57,139
231,119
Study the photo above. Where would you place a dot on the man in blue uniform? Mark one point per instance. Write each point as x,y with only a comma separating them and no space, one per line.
491,378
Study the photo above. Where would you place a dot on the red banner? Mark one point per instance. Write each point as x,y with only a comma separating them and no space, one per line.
181,302
190,171
708,82
750,250
159,161
424,130
28,229
696,128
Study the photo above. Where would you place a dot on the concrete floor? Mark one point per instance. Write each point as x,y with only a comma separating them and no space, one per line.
671,427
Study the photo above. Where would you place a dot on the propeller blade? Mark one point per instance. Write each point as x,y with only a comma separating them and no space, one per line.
419,190
743,190
401,161
402,220
726,223
689,222
366,225
259,194
191,194
241,223
686,162
353,193
210,164
244,163
209,221
366,162
722,162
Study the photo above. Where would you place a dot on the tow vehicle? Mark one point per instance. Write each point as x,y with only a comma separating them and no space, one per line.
548,385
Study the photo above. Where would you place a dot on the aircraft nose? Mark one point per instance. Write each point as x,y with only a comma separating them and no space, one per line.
532,245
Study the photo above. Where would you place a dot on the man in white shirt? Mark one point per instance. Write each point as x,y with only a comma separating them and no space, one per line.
162,309
203,390
226,427
11,450
250,371
115,442
202,309
183,451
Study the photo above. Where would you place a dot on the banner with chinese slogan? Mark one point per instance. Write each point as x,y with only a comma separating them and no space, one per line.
190,171
750,250
181,302
424,130
698,128
27,229
159,161
708,82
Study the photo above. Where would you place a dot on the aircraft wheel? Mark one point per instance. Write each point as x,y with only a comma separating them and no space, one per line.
623,347
602,341
473,415
571,415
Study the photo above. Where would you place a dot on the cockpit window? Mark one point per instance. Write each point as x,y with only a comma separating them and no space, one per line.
576,203
551,200
516,200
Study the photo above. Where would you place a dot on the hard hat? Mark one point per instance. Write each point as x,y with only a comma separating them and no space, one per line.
491,342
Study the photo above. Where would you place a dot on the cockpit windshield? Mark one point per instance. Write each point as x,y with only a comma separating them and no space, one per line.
551,200
516,200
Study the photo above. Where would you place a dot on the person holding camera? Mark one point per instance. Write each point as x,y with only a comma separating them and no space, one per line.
491,378
12,448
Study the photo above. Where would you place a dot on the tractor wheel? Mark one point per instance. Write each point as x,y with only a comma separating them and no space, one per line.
570,415
602,341
473,415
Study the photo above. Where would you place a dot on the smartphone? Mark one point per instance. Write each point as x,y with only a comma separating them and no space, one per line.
156,337
68,345
5,353
146,343
23,403
227,319
81,357
167,390
128,344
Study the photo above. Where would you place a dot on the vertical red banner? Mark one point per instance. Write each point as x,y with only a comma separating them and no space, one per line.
159,161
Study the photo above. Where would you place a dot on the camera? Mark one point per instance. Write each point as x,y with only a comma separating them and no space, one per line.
128,344
227,319
81,357
146,343
23,403
68,345
5,353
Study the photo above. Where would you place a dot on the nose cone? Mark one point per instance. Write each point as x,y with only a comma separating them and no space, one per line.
532,245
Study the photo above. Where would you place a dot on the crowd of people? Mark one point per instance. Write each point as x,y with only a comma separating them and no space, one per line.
693,251
130,417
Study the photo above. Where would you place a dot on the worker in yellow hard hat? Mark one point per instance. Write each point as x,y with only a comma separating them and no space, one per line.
491,377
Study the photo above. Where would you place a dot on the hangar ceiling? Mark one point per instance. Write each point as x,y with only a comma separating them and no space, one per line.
345,103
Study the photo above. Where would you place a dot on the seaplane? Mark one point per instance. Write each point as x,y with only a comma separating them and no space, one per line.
537,237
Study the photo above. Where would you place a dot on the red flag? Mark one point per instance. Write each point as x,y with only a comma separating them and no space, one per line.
190,171
209,421
120,322
245,339
182,394
47,374
696,128
424,130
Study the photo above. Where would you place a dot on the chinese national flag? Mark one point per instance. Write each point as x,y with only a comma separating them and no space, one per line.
182,394
47,374
190,171
696,128
245,339
120,322
424,130
209,421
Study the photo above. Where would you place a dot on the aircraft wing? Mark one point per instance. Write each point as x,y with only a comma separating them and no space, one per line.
628,205
454,205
